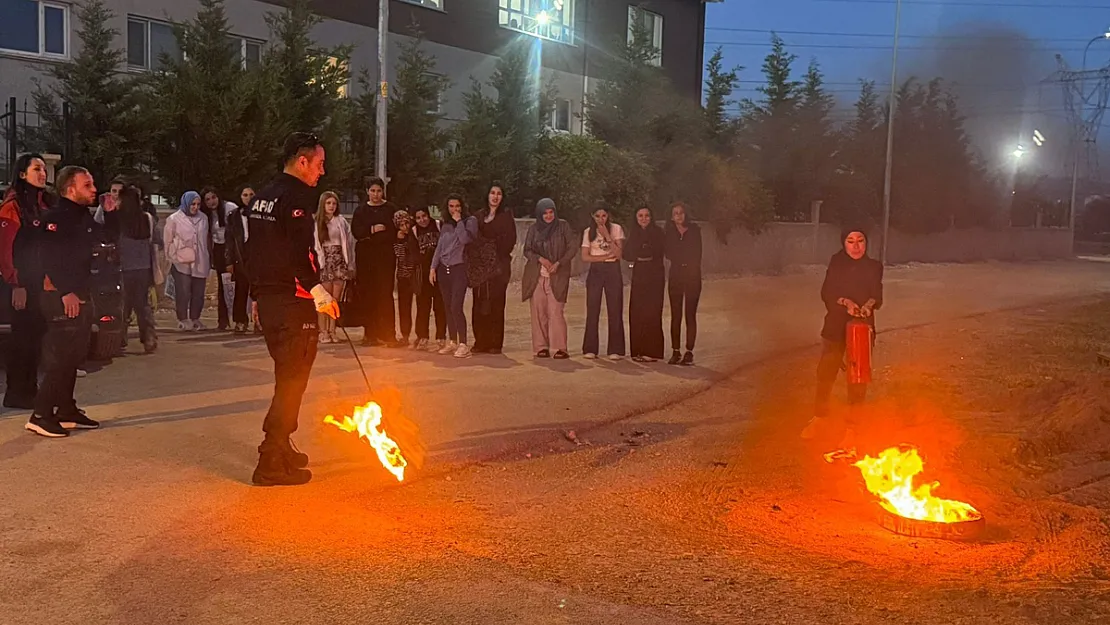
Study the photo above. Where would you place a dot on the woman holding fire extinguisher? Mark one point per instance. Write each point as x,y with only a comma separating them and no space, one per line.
853,290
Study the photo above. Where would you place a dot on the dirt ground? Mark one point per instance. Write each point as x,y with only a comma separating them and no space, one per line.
709,510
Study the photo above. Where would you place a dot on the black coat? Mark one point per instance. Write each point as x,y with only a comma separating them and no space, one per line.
858,280
235,251
68,235
282,245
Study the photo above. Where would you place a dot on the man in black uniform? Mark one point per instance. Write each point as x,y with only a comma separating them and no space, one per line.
66,246
285,283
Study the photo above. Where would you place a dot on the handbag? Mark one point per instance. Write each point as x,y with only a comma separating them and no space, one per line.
481,261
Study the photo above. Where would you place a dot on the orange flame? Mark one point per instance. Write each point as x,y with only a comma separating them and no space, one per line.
367,422
890,477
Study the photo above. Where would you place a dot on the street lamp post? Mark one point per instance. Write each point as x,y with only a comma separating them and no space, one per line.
383,88
891,106
1080,136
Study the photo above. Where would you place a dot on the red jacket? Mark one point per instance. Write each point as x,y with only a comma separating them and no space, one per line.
11,222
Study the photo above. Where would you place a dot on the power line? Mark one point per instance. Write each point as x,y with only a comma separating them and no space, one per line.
820,33
964,3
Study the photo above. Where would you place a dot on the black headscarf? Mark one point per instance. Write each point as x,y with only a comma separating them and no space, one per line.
847,230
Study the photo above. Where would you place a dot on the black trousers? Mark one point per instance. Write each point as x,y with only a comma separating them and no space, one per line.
64,348
221,299
429,298
375,296
289,326
136,298
239,312
604,279
25,349
684,291
406,293
832,357
487,313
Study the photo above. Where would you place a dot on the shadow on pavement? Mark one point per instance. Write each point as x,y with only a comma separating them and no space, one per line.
170,416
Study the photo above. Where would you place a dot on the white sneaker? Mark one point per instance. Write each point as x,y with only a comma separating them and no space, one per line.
185,326
420,344
615,357
463,351
438,345
449,347
198,326
591,356
322,338
82,373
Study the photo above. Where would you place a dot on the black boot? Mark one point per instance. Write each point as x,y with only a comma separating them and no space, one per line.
297,458
275,469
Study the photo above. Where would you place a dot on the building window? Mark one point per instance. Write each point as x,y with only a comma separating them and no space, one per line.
248,50
547,19
344,90
33,27
560,115
652,24
431,4
435,107
147,41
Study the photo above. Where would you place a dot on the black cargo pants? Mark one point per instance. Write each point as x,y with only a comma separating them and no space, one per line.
289,326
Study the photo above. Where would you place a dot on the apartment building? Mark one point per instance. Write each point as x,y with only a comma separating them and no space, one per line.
575,37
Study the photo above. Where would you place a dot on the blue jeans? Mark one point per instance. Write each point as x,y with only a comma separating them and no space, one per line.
188,296
452,283
604,279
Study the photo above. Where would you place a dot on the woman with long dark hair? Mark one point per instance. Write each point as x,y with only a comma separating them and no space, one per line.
430,298
682,245
138,237
495,224
235,257
217,211
644,250
601,250
21,212
335,253
448,270
374,232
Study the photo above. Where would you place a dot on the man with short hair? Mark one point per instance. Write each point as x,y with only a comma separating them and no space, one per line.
285,284
66,244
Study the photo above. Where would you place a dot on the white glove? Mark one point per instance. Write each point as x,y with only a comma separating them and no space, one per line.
325,303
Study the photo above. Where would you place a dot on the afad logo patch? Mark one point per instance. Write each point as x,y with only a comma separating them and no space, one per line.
298,213
52,227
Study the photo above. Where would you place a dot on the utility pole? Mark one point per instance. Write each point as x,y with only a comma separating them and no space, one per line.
383,87
891,107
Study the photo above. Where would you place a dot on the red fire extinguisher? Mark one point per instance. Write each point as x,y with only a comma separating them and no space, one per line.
857,352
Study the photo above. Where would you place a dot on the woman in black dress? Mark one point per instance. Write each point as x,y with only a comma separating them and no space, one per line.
644,249
495,223
375,266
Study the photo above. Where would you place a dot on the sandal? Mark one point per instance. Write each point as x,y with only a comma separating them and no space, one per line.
543,353
561,355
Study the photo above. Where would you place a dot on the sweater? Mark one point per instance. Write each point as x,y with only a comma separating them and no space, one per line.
451,248
857,280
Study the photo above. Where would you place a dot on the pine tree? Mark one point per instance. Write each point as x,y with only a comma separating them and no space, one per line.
814,141
106,137
719,87
415,140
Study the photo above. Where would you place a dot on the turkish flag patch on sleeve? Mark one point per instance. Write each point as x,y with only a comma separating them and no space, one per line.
52,227
298,213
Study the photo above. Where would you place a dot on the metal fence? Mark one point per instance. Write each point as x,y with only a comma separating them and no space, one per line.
23,129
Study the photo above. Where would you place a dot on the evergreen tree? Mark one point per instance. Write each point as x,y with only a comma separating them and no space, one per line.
415,140
814,141
105,135
719,87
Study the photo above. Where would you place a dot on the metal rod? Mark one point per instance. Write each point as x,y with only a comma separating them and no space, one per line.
383,88
365,378
891,107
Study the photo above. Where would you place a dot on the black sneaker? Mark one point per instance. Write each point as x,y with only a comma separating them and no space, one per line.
79,421
676,358
275,469
44,426
688,359
20,403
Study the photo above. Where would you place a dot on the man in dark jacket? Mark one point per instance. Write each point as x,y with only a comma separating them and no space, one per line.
285,283
66,240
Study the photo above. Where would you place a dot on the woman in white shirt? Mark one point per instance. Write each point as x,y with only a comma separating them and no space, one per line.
601,250
186,238
335,252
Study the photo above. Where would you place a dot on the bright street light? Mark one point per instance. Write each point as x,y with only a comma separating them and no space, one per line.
1019,152
543,18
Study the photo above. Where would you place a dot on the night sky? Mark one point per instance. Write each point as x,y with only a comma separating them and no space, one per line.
998,51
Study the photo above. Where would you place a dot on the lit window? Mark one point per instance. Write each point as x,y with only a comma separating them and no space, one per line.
33,27
147,41
435,107
547,19
560,115
343,90
248,50
431,4
652,24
